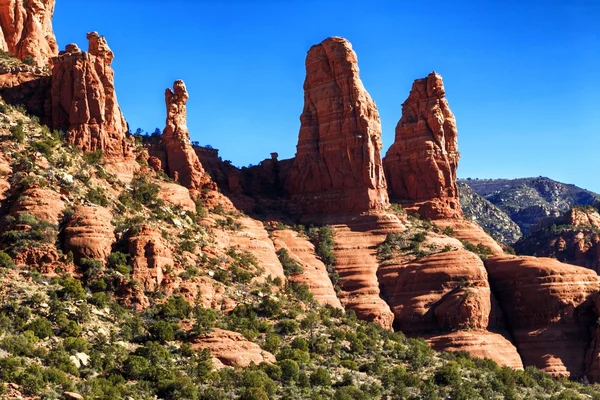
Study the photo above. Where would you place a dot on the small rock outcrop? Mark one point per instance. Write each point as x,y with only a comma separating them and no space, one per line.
231,349
27,29
183,164
89,233
83,99
421,164
43,203
338,164
150,257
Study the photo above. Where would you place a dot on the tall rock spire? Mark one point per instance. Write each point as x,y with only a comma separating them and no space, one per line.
338,164
183,164
421,164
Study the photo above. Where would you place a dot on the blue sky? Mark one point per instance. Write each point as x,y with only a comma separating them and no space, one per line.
521,76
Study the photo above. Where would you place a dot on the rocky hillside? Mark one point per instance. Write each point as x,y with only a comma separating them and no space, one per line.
528,200
574,238
481,211
147,268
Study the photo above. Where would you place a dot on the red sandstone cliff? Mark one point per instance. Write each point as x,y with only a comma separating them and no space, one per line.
83,99
421,164
548,309
26,29
338,164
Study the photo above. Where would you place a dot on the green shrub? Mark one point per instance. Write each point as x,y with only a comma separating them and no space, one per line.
93,157
97,196
289,370
448,374
6,261
29,60
40,327
254,394
320,377
290,267
18,132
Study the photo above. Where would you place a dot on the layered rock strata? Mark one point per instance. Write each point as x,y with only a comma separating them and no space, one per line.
314,273
89,233
548,309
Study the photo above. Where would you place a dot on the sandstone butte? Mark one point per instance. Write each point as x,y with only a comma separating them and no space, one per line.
26,29
421,164
338,165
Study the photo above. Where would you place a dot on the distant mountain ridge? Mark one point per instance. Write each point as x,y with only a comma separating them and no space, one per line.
524,200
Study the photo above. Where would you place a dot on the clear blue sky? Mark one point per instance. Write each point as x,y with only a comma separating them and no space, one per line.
521,76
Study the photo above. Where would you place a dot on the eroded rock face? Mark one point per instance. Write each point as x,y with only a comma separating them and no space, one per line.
83,99
231,349
548,308
421,164
338,164
43,203
89,233
27,29
482,344
314,272
356,240
183,164
467,231
150,257
440,292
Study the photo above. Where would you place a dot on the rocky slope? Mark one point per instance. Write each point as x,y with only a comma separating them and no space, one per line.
128,271
481,211
573,238
528,200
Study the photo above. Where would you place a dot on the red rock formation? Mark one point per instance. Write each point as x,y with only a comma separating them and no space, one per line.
253,238
467,231
446,298
176,195
150,257
314,273
27,29
582,217
43,203
481,344
89,233
421,164
576,241
83,99
183,164
548,310
592,357
27,86
356,240
338,165
440,292
231,349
